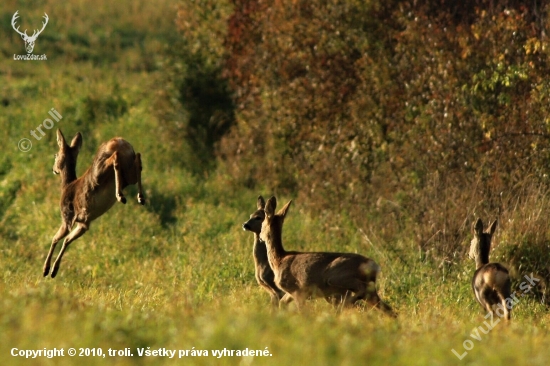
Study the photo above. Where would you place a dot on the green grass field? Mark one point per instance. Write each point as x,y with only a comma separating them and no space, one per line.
177,274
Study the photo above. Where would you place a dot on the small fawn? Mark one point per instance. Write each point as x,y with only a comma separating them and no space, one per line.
491,282
264,274
84,199
348,277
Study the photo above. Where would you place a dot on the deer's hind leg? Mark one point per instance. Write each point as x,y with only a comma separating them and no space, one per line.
502,304
285,300
504,295
489,298
374,300
350,288
360,290
114,160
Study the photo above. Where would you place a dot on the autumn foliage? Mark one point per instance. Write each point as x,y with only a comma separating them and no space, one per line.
409,115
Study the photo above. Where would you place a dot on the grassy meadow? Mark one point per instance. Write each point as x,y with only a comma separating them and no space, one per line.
178,273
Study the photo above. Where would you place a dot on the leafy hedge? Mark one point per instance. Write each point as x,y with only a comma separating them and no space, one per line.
417,116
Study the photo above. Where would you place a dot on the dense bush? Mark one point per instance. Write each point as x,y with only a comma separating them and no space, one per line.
340,91
195,104
416,116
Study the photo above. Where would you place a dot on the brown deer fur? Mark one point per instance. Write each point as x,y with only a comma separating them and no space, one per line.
264,274
345,276
491,282
84,199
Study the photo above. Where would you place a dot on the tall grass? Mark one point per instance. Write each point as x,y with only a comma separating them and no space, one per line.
178,273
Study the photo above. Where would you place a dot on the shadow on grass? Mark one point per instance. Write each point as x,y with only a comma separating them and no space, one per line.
163,205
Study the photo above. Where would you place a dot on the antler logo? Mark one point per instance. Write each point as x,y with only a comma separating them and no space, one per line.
29,41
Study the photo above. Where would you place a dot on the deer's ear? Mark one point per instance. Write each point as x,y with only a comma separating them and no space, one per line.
493,227
261,203
283,211
478,228
60,139
23,36
270,207
77,142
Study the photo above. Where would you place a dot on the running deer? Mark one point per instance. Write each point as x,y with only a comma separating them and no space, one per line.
264,274
84,199
491,282
348,277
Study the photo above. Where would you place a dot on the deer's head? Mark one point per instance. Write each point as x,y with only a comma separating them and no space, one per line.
273,222
29,40
65,159
254,224
481,243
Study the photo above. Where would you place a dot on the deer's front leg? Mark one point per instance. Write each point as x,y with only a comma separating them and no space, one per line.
63,230
75,234
138,168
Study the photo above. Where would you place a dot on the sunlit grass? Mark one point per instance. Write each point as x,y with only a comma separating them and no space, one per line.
178,273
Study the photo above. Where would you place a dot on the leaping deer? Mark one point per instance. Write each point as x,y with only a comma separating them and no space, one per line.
347,277
84,199
29,41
